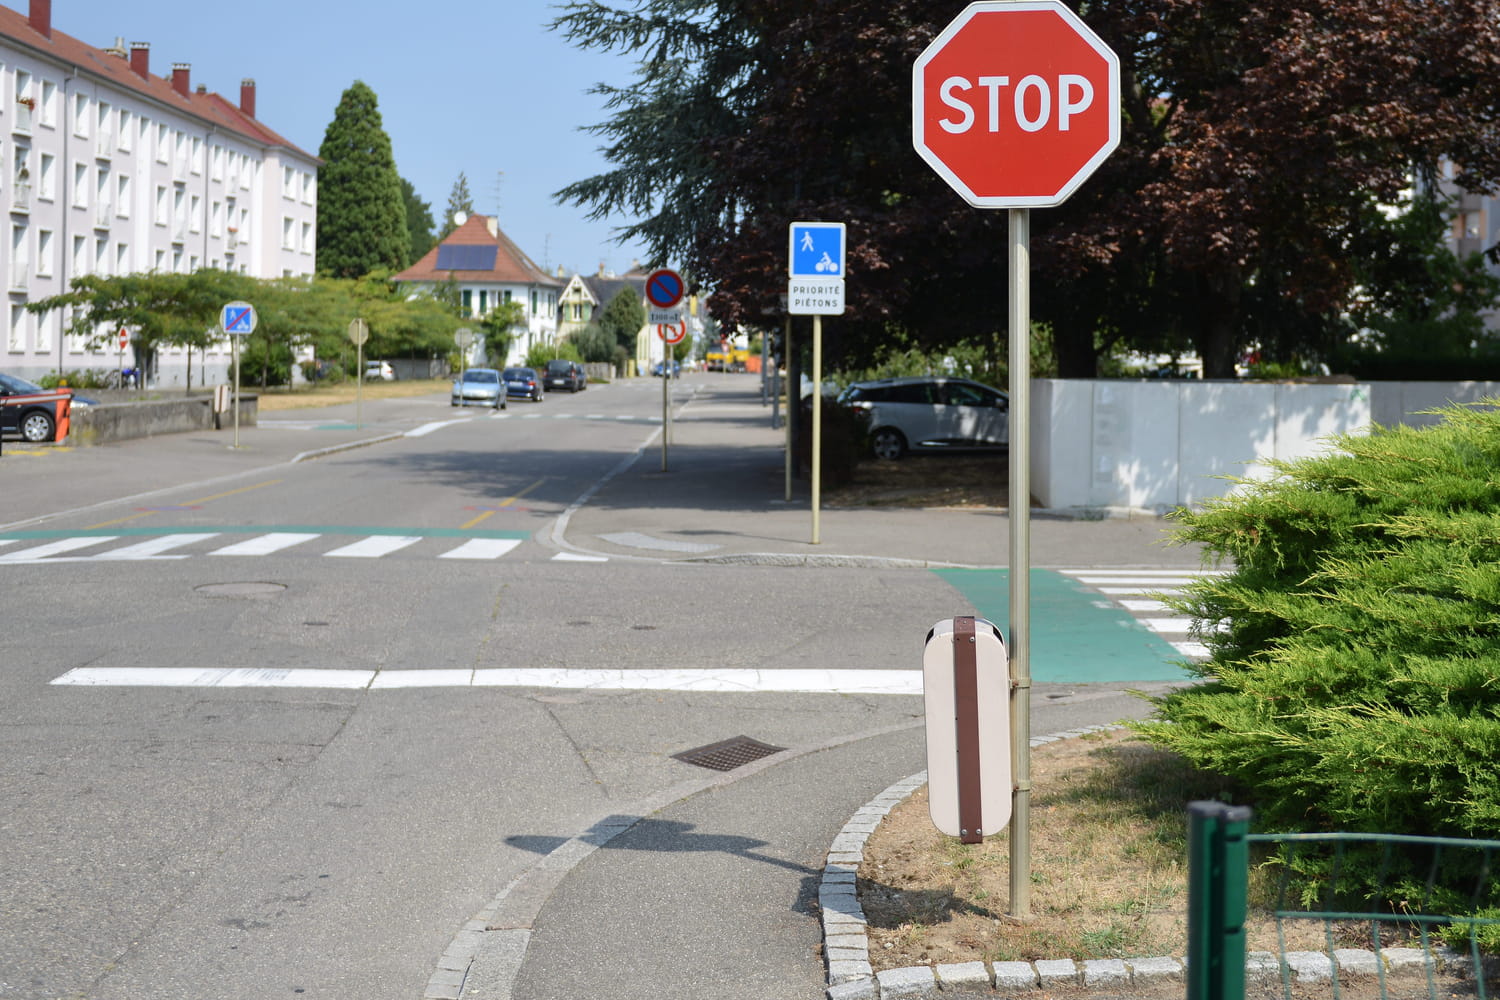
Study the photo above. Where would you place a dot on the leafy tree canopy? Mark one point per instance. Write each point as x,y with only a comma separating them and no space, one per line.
460,202
419,222
623,317
1256,139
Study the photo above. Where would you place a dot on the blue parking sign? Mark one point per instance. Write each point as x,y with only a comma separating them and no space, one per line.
817,250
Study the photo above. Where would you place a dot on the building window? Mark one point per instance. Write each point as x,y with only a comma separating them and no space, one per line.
44,253
216,219
161,205
288,233
47,182
122,258
468,301
126,126
163,143
101,256
216,163
17,340
309,188
122,197
307,237
80,255
195,214
81,115
161,260
47,112
46,326
197,156
80,185
288,182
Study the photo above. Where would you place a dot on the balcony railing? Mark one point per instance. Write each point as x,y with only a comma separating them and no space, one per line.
24,115
103,215
20,198
20,276
104,148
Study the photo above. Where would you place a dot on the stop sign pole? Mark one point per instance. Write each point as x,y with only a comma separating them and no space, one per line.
1014,104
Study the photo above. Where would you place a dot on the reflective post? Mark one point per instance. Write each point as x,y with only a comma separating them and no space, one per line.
817,422
1020,558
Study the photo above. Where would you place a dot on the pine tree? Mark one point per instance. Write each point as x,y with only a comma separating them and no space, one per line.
361,213
460,201
418,220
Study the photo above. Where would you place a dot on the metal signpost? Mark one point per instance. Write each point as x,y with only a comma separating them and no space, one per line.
815,268
359,332
1014,104
237,319
665,290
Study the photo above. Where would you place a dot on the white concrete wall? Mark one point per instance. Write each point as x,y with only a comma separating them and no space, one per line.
1156,445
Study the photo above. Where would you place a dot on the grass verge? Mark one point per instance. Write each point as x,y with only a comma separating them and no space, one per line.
282,398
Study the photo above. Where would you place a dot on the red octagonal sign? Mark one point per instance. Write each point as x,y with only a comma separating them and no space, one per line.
1016,103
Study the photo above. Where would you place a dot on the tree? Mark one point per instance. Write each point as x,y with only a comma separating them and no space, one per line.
1255,139
362,218
594,343
419,222
623,317
499,329
460,202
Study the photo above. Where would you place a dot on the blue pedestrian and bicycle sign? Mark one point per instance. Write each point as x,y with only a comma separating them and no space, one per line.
817,250
238,319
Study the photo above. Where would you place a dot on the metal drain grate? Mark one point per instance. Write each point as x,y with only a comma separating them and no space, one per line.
727,755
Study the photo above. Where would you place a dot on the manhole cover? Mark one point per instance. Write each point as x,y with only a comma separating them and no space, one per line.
240,589
727,755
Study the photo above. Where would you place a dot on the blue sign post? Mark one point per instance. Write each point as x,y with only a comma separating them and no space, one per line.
817,250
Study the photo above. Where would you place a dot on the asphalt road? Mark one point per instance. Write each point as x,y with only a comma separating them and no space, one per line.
168,836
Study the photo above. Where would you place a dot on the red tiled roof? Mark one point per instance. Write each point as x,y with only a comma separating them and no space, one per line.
66,49
512,266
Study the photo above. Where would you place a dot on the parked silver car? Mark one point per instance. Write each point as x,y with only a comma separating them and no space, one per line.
930,413
480,386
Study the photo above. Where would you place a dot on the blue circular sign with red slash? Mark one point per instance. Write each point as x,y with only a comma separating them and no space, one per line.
664,288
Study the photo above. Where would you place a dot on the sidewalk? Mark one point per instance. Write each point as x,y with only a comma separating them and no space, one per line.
722,498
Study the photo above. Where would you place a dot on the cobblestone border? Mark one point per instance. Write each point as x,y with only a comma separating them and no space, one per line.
847,955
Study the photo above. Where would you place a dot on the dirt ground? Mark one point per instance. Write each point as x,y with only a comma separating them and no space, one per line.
978,480
1108,879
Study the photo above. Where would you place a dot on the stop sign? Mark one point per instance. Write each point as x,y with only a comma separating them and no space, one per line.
1015,103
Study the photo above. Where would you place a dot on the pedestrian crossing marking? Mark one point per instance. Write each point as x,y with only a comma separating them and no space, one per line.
266,544
374,547
146,544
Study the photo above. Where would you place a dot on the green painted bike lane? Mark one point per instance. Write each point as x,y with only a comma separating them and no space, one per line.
1078,636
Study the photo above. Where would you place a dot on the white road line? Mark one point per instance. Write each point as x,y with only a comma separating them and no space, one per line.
263,545
578,557
152,548
1147,606
897,682
436,425
55,548
375,546
482,548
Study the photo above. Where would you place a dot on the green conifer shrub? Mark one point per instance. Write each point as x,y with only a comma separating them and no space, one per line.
1354,682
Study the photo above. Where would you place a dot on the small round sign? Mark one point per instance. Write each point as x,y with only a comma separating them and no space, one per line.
664,288
124,338
672,333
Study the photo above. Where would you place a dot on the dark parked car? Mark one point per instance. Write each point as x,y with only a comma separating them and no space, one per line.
930,413
32,413
524,383
564,374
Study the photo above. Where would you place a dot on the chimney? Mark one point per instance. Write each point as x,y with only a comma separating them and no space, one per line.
140,59
493,225
41,17
180,78
247,97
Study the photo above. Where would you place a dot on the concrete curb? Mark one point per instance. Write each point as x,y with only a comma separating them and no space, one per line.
334,449
851,977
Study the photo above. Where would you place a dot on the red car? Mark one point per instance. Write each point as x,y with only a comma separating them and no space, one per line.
31,413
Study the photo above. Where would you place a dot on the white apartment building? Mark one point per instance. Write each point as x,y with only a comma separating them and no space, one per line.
106,168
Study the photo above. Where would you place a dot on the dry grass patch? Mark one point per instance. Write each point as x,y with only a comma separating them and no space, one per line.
333,395
1108,868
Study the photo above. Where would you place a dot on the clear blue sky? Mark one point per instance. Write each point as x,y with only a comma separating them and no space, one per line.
477,86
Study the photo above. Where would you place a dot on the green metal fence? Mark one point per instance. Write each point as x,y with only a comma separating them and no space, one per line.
1389,906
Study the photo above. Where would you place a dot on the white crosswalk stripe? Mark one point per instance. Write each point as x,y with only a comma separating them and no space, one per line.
188,545
1139,592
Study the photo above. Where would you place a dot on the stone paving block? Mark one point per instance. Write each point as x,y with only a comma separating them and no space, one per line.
1356,961
1309,966
1105,972
846,857
917,981
1155,970
1262,965
857,989
847,954
1404,959
963,976
845,972
859,941
1057,971
840,877
847,843
1014,976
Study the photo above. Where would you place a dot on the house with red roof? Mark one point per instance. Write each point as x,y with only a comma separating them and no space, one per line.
489,269
109,168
